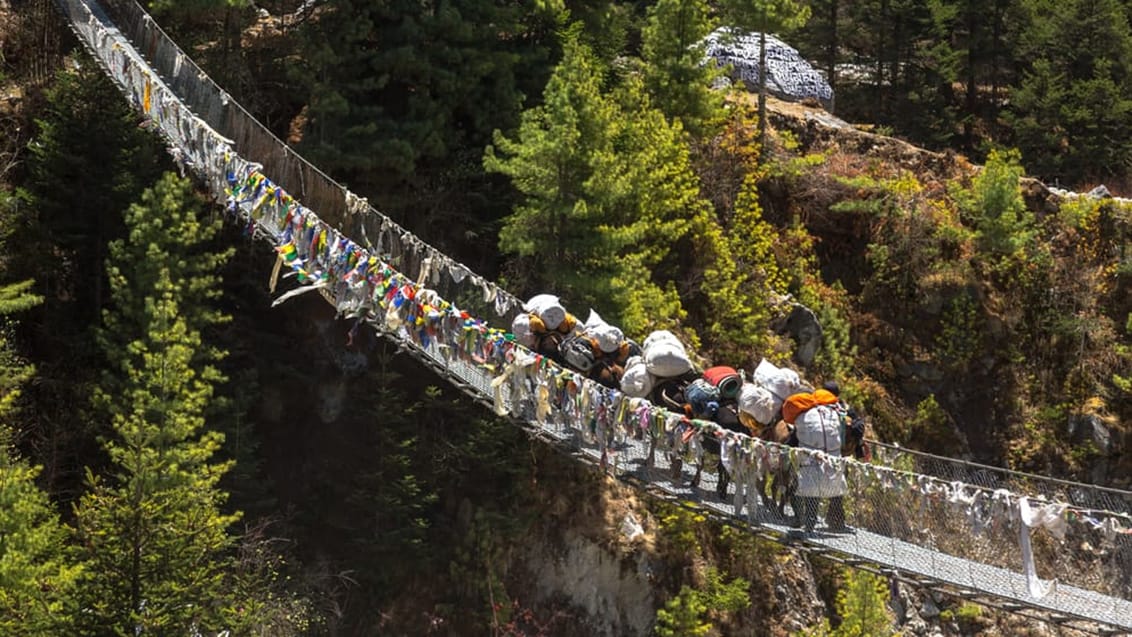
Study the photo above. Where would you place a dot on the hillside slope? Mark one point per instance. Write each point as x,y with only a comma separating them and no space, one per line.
1021,354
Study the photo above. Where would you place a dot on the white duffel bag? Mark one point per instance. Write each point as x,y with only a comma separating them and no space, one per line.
759,402
548,308
636,381
521,328
665,356
782,382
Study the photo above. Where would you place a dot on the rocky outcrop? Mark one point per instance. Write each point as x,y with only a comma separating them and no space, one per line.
788,75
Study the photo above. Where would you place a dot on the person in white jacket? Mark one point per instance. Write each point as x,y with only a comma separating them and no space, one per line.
820,475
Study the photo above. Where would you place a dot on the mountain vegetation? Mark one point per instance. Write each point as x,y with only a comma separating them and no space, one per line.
179,457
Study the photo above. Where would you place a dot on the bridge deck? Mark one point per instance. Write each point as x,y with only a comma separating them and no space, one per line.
883,551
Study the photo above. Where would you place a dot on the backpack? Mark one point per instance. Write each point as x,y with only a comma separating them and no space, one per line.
757,402
726,379
636,381
797,404
701,398
521,328
665,355
578,353
669,393
782,382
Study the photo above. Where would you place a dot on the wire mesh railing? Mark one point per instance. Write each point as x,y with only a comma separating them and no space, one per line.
335,204
958,524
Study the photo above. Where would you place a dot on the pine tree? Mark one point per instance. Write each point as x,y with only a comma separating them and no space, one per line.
997,209
679,82
740,278
36,578
549,163
401,89
1070,109
764,16
87,161
861,605
608,191
649,198
152,537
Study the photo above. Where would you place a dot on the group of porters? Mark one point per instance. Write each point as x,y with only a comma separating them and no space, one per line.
775,404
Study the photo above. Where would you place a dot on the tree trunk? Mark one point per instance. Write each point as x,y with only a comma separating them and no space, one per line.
972,78
762,90
831,69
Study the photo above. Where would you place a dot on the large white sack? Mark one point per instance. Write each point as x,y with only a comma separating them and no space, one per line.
593,320
521,328
608,337
821,480
661,336
548,308
665,356
782,382
667,361
759,402
819,428
636,381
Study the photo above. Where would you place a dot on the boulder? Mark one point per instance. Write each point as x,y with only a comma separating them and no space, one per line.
803,326
1091,427
789,76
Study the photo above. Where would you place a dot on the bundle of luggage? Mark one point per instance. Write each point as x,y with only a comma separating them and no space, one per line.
596,349
666,376
662,371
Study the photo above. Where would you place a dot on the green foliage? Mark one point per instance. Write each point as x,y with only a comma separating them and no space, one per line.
794,166
740,277
958,340
1124,383
747,553
836,357
683,615
476,565
271,600
1069,110
549,163
152,539
398,90
678,81
607,190
860,605
918,252
933,428
165,227
14,297
165,8
87,161
36,578
968,612
767,16
690,611
678,526
995,206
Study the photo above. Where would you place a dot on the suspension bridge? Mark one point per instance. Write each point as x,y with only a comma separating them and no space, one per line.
1053,550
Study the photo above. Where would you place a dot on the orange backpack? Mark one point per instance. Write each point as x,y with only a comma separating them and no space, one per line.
796,404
